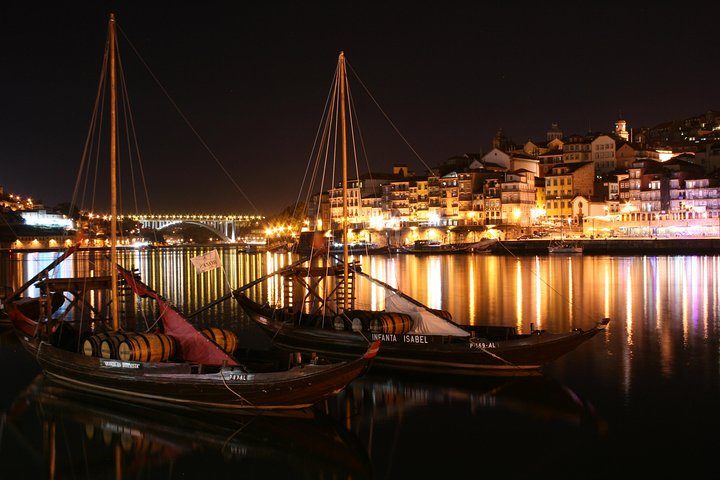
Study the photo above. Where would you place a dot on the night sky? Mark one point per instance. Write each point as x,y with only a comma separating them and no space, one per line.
253,80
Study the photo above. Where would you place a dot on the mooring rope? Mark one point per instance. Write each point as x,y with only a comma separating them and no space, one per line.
222,376
537,274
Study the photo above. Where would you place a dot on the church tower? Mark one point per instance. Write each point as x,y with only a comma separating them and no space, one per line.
621,130
554,132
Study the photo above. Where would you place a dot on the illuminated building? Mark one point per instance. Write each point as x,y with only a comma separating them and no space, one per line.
602,153
41,218
621,129
517,197
563,183
577,148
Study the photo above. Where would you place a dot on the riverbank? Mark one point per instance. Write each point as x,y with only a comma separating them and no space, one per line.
124,248
611,246
617,246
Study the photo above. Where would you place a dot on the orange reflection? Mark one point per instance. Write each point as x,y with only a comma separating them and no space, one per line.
518,295
538,294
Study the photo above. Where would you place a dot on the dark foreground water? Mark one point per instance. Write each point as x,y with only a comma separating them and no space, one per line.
642,397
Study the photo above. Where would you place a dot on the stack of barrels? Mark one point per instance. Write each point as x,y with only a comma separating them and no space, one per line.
149,347
375,322
138,347
104,344
364,317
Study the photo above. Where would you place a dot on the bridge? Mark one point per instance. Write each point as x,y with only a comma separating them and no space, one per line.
224,226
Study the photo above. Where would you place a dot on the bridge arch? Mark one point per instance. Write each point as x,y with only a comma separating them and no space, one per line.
225,227
217,232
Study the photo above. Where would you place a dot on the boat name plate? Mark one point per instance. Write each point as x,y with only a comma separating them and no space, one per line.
119,364
238,376
483,345
404,338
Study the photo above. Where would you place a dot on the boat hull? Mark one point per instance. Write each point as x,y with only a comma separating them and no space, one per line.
424,353
184,386
565,250
484,246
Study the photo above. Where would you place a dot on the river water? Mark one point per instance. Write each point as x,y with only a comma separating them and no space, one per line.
642,395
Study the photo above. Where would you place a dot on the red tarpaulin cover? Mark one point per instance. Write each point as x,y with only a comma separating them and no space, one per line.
195,347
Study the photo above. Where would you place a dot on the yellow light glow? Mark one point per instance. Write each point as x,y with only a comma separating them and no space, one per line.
536,213
629,207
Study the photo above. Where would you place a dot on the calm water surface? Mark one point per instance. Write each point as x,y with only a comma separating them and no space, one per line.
645,393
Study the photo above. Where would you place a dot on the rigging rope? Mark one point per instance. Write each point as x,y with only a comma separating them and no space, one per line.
351,111
88,140
392,124
124,108
312,150
187,122
138,156
222,375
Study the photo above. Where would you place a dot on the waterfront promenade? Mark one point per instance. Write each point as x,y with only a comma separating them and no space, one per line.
609,246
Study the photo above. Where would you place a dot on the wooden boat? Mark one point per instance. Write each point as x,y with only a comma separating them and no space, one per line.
482,246
450,348
201,375
358,248
415,337
207,378
432,247
564,246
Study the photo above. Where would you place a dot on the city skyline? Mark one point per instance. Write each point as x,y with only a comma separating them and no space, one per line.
252,82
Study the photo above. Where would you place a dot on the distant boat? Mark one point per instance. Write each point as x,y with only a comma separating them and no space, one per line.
429,246
437,247
483,246
564,246
359,248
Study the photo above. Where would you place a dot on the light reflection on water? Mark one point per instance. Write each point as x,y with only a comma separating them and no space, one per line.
642,295
661,347
557,293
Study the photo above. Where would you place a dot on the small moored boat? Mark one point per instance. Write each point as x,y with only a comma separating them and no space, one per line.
565,247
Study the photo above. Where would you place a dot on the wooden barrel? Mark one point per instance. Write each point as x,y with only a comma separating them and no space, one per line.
91,345
226,339
365,317
441,313
147,347
109,346
391,322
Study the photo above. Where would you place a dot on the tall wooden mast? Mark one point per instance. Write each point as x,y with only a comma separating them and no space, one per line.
341,68
113,176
